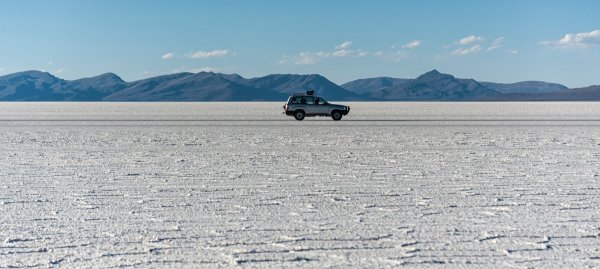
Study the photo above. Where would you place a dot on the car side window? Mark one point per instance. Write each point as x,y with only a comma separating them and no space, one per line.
310,100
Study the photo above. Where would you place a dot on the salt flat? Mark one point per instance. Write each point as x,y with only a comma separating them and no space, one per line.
217,185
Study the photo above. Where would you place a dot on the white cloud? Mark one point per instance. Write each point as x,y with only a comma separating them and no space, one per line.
341,53
168,56
196,70
346,53
343,50
58,71
465,51
469,40
344,45
412,44
493,47
513,51
475,44
208,54
579,40
396,56
303,58
307,57
496,44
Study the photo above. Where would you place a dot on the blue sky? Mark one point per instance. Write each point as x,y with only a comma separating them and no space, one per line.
501,41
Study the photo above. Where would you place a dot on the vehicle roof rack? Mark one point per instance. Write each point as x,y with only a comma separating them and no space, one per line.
307,93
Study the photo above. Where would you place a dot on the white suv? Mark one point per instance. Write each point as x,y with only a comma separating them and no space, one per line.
302,105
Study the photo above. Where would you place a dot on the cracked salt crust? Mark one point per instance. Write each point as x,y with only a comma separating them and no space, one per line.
188,185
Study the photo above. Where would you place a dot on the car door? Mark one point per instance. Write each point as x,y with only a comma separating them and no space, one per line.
309,103
321,106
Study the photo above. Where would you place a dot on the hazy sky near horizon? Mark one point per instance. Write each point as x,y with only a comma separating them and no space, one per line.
500,41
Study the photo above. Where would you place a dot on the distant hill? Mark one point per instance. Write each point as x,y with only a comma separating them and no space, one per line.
204,86
432,85
94,88
366,86
286,84
591,93
208,86
32,86
42,86
525,87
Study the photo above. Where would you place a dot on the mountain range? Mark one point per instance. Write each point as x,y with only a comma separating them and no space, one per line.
209,86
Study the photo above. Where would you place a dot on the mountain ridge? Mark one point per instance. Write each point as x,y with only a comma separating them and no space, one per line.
208,86
431,85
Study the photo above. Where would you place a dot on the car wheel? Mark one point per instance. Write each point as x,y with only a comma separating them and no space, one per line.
336,115
299,115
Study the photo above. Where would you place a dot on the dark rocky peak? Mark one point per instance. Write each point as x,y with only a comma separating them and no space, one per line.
433,75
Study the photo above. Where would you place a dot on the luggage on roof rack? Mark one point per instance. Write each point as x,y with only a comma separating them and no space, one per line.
308,92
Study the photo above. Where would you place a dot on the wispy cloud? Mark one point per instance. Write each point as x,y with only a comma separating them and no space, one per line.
345,49
579,40
465,51
469,40
168,56
344,45
475,44
394,56
307,57
412,44
208,54
339,53
59,71
496,44
468,45
195,69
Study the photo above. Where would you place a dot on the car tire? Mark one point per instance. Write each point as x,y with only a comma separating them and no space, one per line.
299,114
336,115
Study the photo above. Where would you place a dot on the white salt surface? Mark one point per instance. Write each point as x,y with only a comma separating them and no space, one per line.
187,185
